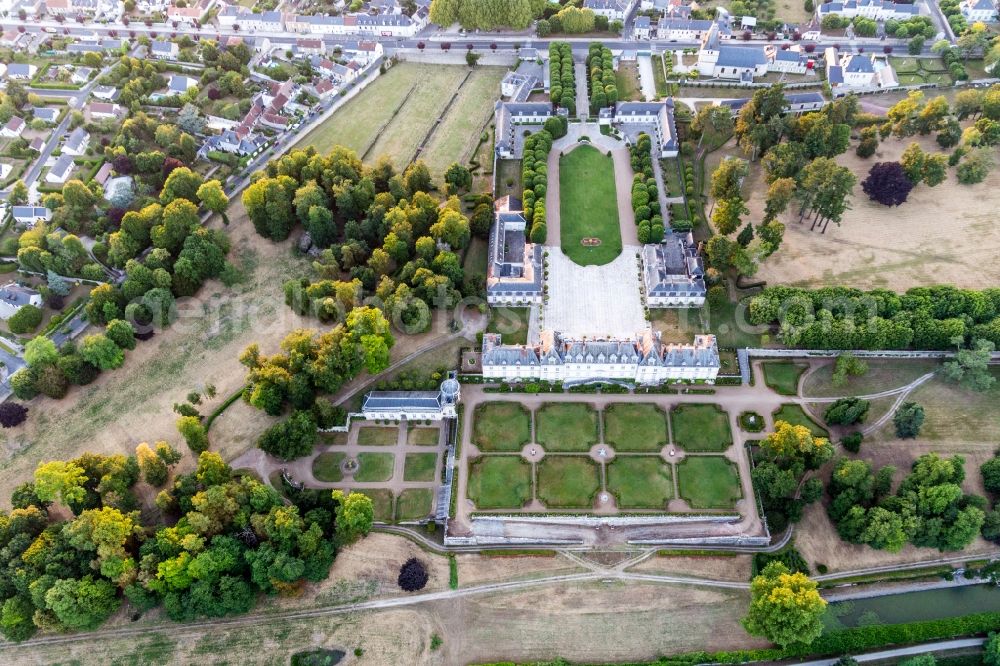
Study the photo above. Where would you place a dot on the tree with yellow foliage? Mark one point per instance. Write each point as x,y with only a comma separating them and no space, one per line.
795,442
785,607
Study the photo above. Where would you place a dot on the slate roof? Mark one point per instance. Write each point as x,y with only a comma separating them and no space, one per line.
76,139
46,113
396,401
859,64
741,56
695,25
645,350
673,267
63,165
15,294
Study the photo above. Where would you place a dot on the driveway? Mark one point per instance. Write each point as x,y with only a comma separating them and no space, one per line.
646,80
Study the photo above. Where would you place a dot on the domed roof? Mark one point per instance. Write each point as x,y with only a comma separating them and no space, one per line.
449,387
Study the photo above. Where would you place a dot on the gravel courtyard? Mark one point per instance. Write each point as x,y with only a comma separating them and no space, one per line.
594,301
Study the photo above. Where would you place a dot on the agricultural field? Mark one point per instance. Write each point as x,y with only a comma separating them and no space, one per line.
588,206
396,112
941,235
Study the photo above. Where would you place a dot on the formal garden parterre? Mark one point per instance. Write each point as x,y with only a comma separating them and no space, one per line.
574,458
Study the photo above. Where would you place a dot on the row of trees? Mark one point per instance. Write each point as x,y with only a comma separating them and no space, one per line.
602,82
562,90
940,317
534,180
645,193
486,14
216,542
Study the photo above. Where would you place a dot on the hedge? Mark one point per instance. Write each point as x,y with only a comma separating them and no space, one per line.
223,407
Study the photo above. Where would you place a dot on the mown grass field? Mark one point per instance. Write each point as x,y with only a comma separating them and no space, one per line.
635,427
501,426
568,482
499,482
588,206
419,466
783,376
708,482
326,466
374,467
370,436
640,482
414,503
566,427
701,428
423,436
796,416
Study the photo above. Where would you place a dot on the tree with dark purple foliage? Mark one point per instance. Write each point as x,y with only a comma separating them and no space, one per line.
412,575
12,414
887,184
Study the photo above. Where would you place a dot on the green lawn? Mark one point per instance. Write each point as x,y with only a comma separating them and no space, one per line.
627,79
783,376
700,428
881,376
510,323
378,436
708,482
326,466
566,427
730,324
414,503
796,416
333,438
423,436
374,467
568,482
588,206
635,427
382,500
640,482
419,466
499,482
508,178
476,258
501,426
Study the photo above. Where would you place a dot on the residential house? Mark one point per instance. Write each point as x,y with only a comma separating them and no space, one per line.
103,174
389,25
13,128
792,60
271,21
984,11
29,216
228,14
179,84
673,273
81,75
163,50
682,29
79,48
644,359
641,28
613,10
21,72
46,114
514,275
108,93
797,103
104,110
846,72
742,63
10,38
36,144
77,142
322,88
13,297
60,171
309,46
877,10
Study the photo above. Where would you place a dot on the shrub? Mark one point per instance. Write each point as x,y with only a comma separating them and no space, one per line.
25,320
908,420
12,414
194,434
412,575
852,442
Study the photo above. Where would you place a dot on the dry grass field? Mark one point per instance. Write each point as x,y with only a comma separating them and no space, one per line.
134,403
945,234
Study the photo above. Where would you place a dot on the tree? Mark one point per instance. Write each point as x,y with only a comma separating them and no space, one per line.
458,176
412,575
991,475
194,434
355,515
727,179
846,411
101,351
779,195
916,45
991,650
39,351
975,167
847,364
887,183
908,419
912,161
785,607
59,481
213,197
82,604
292,438
26,319
154,468
970,367
935,170
760,123
796,443
726,216
869,142
182,183
121,333
18,194
12,414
